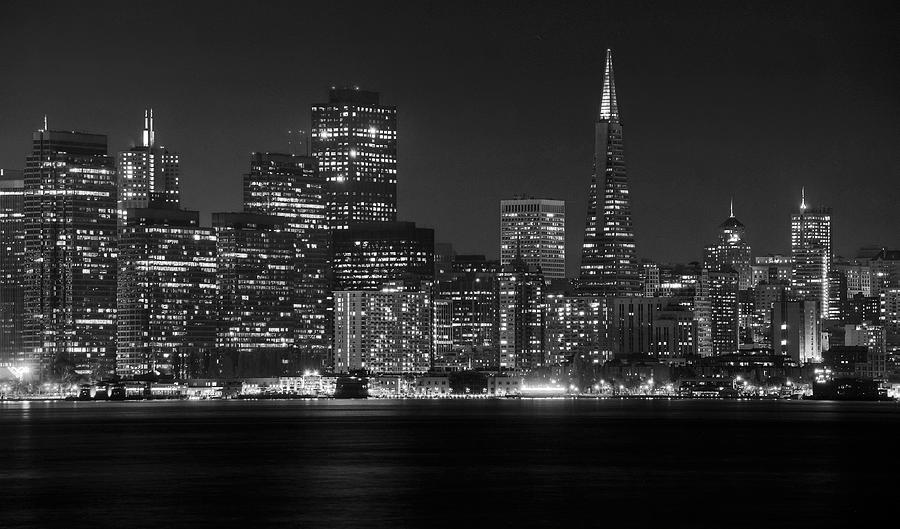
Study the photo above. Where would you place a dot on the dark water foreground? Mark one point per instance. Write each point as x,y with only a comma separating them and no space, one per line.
528,463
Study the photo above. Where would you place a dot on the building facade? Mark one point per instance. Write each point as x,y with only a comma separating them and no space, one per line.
148,174
521,317
167,297
382,332
354,138
256,278
811,255
535,229
70,256
368,255
797,330
12,263
290,186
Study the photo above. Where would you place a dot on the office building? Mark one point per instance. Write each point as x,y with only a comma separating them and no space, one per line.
473,292
12,262
354,138
609,265
730,252
148,174
577,330
811,255
70,256
797,330
654,327
256,278
291,187
382,332
534,228
521,317
167,296
368,255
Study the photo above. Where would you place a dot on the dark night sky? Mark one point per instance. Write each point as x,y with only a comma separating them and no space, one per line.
745,99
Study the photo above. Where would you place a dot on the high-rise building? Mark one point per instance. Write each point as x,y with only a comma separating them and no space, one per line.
731,252
366,256
724,311
148,174
290,186
473,292
382,332
609,265
256,281
811,255
534,228
797,330
167,298
70,247
12,262
354,138
521,317
577,330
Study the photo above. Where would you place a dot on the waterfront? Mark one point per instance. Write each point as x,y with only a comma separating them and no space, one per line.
417,463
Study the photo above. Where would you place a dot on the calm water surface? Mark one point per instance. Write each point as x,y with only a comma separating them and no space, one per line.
499,463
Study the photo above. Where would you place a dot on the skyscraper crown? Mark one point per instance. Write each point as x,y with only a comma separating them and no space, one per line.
609,107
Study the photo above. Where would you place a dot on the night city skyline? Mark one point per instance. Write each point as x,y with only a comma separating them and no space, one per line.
705,123
449,264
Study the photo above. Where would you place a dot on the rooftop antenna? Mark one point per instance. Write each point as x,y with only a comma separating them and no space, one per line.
731,209
148,137
803,198
46,128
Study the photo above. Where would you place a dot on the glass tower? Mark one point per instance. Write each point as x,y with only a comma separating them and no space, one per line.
12,260
70,247
609,266
291,186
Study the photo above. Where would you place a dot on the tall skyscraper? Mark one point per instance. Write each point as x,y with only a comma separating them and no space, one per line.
727,271
731,252
12,262
256,281
290,186
534,228
70,247
354,138
811,253
167,298
148,173
609,266
521,317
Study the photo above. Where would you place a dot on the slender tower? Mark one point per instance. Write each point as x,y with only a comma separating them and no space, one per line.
608,263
